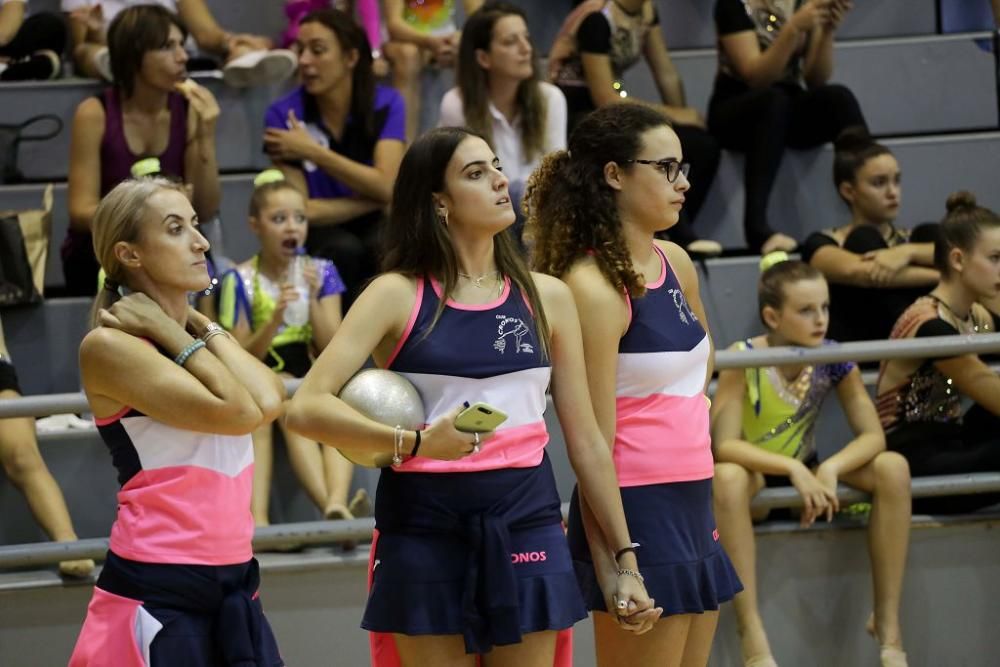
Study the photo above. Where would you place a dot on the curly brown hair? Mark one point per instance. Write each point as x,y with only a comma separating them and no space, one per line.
570,207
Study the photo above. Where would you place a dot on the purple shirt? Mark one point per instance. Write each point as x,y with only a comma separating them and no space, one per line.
390,123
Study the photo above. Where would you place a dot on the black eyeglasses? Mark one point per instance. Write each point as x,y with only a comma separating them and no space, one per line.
668,166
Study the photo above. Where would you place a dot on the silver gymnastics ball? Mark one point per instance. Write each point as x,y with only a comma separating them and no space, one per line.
385,397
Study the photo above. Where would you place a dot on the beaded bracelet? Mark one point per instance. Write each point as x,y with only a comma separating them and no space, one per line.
631,573
186,353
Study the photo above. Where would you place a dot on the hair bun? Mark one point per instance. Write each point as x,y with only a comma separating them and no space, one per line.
772,258
963,199
268,176
853,138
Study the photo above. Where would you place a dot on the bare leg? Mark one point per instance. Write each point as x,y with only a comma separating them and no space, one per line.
887,478
732,490
23,464
537,649
263,455
436,650
337,472
307,463
662,646
407,63
84,60
698,646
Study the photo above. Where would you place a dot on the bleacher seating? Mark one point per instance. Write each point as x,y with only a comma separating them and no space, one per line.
934,95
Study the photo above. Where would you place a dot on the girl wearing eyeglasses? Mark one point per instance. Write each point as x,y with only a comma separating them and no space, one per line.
593,212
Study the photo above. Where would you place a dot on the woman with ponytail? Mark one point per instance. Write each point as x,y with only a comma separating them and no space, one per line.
175,400
458,313
593,212
875,269
763,433
920,400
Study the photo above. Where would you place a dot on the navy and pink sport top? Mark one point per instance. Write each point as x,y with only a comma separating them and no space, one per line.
184,497
662,429
488,353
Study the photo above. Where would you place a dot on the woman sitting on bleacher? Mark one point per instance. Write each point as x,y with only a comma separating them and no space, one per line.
763,430
263,307
26,470
499,95
249,59
874,268
771,91
596,44
920,400
30,48
151,111
339,138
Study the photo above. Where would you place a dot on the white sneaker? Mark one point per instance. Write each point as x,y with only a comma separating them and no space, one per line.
102,62
259,68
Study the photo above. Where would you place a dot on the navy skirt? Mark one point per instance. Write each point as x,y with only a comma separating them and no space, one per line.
680,556
479,554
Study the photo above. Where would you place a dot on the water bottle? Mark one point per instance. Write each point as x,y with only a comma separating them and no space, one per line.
297,312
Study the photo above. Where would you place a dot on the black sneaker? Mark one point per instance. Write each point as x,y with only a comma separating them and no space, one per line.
39,66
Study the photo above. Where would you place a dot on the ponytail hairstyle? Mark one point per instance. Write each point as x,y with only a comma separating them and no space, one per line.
777,270
473,81
265,184
961,227
351,37
572,210
119,218
416,243
852,149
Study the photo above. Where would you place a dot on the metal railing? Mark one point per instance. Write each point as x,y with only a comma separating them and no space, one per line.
308,533
330,532
913,348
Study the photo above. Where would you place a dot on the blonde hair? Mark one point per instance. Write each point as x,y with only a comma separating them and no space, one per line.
118,218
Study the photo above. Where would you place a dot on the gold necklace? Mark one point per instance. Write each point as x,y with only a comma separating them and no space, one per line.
478,281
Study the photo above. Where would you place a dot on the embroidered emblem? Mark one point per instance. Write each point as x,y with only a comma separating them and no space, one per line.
512,327
684,311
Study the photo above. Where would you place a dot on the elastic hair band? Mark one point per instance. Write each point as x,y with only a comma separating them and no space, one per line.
268,176
772,258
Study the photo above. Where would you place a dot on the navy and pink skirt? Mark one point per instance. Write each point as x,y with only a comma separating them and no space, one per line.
161,615
478,554
681,559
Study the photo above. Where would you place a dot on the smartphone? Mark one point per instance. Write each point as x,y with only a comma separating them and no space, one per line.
479,418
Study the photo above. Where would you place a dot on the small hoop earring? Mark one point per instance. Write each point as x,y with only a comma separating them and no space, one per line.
443,217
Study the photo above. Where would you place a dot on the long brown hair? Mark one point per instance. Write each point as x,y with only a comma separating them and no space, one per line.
416,243
473,81
119,218
570,206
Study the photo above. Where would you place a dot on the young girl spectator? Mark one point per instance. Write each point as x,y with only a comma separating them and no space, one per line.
458,314
874,268
276,322
175,400
151,110
421,32
499,95
249,59
30,47
920,400
338,138
597,43
764,430
593,212
771,91
26,470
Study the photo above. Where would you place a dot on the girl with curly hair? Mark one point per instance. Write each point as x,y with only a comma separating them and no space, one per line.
593,212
